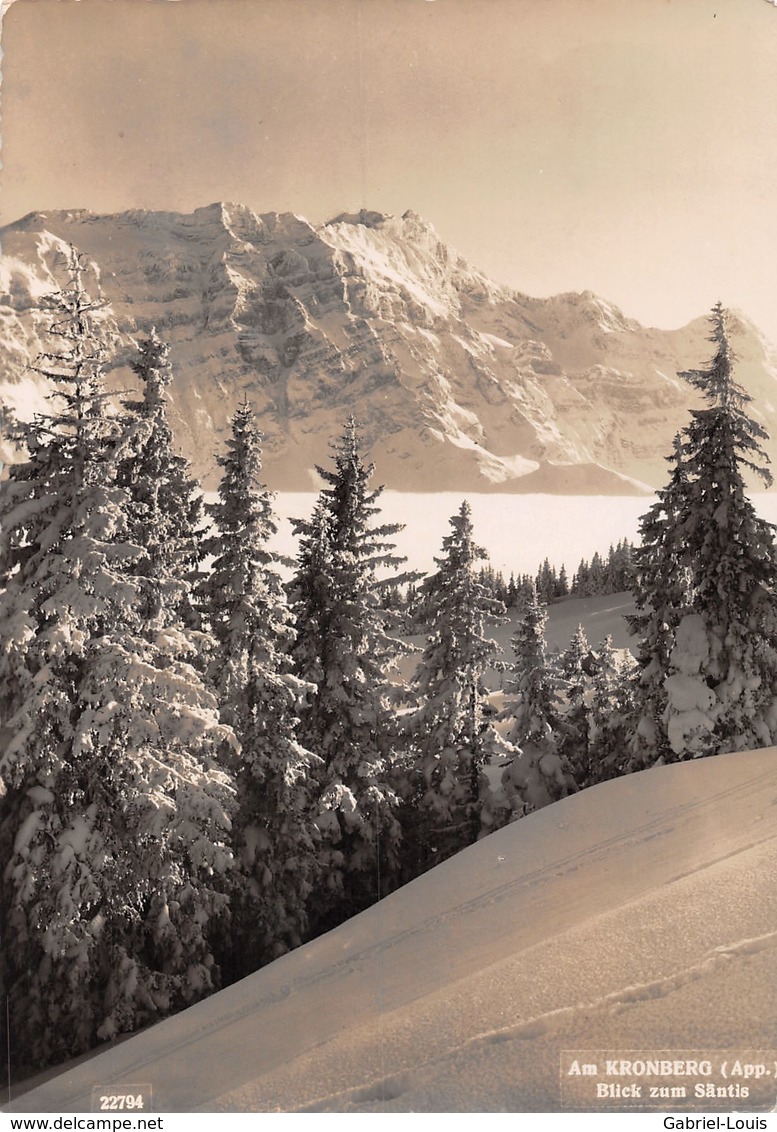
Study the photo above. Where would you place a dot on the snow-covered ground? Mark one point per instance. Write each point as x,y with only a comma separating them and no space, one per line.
640,915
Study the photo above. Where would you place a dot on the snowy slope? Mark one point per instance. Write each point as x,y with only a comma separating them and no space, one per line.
639,915
460,383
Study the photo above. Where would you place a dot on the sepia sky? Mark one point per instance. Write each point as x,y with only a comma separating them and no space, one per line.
626,146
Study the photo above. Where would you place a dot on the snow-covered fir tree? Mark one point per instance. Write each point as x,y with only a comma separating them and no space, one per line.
115,814
716,667
721,679
574,667
572,661
343,647
609,715
534,684
166,511
662,594
275,838
541,773
595,723
452,802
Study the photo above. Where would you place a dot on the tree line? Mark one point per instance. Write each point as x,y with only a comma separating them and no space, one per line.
203,767
610,573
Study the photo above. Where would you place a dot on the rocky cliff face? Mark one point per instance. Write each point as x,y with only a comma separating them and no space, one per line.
458,383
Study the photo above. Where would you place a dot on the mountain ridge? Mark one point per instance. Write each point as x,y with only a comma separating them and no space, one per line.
459,383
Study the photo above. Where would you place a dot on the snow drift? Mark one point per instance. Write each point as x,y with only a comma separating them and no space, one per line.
638,915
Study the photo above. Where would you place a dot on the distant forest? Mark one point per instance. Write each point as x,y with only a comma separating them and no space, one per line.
604,574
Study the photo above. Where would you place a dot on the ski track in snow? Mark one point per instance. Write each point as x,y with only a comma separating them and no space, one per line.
397,1084
417,954
685,979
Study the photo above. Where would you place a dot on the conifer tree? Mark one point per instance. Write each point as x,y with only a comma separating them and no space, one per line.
712,650
546,582
342,647
311,596
662,595
574,723
727,644
115,814
562,588
514,589
275,838
580,582
572,660
452,739
541,773
596,575
166,513
619,567
533,684
609,717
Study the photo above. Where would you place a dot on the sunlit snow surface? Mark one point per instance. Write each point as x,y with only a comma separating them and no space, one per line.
638,915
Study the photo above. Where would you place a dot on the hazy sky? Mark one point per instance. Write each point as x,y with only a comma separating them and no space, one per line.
626,146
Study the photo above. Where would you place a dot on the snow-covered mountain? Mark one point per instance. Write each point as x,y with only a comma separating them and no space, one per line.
459,383
634,920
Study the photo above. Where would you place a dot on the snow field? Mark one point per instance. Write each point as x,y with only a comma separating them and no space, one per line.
640,914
